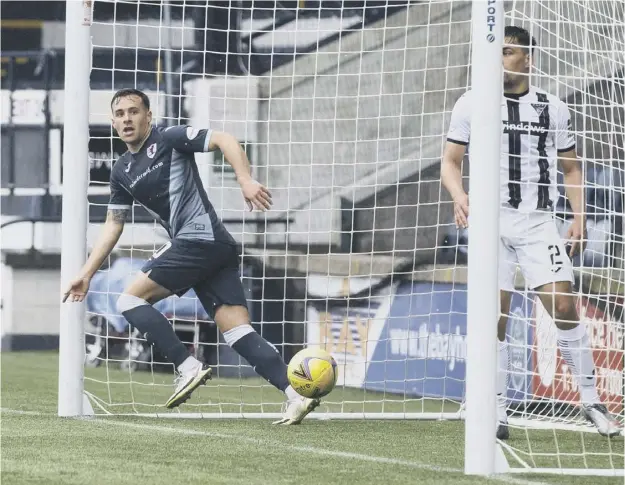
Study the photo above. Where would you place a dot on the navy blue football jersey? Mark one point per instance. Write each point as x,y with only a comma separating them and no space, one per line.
163,177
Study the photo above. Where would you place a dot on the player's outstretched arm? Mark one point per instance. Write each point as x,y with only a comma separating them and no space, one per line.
255,194
574,188
109,235
451,178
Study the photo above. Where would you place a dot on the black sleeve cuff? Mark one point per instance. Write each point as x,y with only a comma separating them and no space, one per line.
562,150
458,142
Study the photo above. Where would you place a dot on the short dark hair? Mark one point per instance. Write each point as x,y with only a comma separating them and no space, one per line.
122,93
521,37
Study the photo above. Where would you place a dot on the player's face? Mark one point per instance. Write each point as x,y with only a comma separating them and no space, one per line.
516,64
131,119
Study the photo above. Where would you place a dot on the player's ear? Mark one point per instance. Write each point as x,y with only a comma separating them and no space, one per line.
149,116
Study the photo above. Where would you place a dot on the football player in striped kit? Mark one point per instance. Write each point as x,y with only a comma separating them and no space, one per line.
536,134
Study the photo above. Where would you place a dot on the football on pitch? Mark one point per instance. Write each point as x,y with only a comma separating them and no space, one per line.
312,373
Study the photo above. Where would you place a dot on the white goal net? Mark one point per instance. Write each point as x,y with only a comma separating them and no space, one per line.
580,59
343,111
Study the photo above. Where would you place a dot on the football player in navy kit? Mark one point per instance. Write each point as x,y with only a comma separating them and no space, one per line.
159,172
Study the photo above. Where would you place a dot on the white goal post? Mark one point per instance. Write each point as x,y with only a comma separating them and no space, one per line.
344,116
483,304
75,207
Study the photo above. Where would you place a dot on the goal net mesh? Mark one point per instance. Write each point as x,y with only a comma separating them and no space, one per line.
343,112
580,59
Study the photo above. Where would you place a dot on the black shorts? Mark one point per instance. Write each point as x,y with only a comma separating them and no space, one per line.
210,268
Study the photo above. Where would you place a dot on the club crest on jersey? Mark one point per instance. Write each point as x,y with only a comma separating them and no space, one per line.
192,133
151,150
539,108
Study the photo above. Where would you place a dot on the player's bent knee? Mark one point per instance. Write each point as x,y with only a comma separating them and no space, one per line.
228,317
127,302
565,313
147,289
564,308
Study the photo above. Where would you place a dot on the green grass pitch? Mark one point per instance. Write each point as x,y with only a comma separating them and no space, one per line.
38,447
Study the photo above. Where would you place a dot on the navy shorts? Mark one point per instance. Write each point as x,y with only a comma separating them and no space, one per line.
211,268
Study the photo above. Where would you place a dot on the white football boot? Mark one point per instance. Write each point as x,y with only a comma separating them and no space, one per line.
187,383
297,409
606,424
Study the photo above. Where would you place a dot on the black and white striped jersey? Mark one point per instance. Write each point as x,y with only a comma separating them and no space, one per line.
163,177
536,127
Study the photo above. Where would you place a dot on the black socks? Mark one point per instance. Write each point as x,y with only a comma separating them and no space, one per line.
264,358
158,332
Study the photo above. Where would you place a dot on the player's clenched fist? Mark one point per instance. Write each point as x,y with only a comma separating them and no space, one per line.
256,195
77,290
461,211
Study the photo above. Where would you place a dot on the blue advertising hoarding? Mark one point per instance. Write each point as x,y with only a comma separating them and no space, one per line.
422,347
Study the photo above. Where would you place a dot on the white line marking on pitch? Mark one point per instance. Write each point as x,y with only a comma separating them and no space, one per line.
304,449
26,413
312,450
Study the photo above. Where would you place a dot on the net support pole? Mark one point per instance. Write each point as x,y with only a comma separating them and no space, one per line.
483,292
75,207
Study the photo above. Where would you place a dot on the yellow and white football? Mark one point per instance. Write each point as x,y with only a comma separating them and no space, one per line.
312,372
